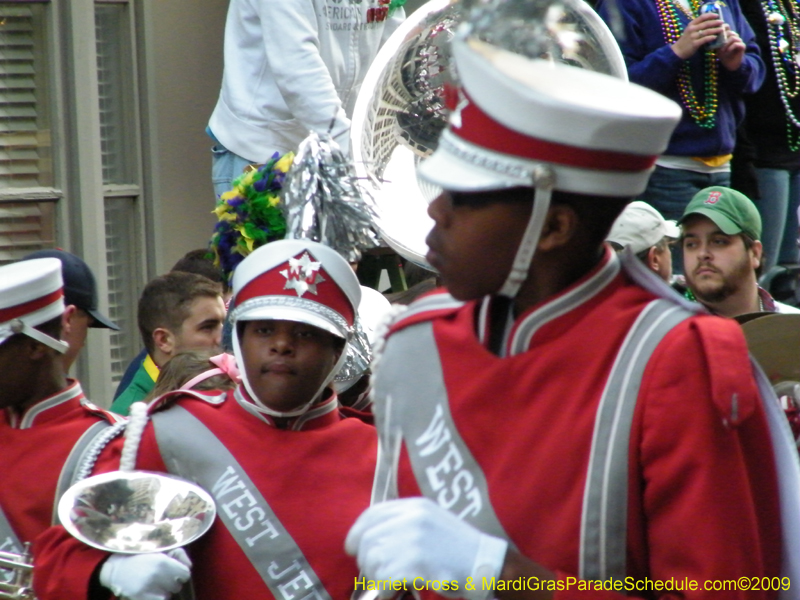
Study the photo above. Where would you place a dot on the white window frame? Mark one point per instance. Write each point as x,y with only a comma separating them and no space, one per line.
78,189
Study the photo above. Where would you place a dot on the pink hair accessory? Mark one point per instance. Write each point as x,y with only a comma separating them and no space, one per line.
226,365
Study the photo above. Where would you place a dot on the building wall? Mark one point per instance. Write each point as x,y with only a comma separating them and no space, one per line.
185,38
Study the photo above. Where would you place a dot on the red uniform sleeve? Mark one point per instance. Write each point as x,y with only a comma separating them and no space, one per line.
703,500
64,566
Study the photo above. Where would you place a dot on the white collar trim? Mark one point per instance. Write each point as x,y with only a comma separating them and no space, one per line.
71,392
527,328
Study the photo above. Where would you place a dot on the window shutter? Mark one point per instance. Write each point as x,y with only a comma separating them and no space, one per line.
24,134
111,68
24,228
115,91
122,299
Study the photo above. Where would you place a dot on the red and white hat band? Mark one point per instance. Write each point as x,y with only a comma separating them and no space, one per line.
42,303
300,277
473,125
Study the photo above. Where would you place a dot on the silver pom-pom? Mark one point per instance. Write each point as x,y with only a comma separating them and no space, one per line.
323,202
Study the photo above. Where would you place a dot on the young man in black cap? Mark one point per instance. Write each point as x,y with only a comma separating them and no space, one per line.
80,297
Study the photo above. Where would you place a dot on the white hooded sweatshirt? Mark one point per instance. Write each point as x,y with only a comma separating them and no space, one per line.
292,66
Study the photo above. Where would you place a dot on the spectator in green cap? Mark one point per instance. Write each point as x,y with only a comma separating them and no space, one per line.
722,254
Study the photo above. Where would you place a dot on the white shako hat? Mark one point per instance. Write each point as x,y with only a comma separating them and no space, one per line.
519,121
641,227
295,280
31,293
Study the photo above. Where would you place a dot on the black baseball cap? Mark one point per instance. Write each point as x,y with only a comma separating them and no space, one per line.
80,287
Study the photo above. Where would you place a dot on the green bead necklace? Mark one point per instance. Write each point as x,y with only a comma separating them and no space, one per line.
784,44
705,114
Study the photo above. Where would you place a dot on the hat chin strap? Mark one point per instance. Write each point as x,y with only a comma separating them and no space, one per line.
263,408
543,181
59,346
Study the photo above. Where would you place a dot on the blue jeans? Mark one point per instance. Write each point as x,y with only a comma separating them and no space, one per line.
225,167
670,190
780,197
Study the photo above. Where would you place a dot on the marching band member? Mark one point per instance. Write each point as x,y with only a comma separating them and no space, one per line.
289,474
570,419
46,421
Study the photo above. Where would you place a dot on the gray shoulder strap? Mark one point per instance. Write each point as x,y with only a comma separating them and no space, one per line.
76,457
9,542
412,406
604,520
788,468
190,450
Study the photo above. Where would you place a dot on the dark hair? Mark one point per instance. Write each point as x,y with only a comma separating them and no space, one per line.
596,213
201,262
51,327
748,243
185,365
165,302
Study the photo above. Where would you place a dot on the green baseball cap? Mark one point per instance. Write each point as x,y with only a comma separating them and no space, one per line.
731,211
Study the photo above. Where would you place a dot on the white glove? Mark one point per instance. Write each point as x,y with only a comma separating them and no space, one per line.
152,576
415,537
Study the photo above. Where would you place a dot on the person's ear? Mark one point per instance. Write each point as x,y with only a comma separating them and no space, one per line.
36,350
66,319
757,253
164,340
559,227
654,258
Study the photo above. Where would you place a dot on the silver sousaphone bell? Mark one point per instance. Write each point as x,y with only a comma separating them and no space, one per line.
400,110
136,512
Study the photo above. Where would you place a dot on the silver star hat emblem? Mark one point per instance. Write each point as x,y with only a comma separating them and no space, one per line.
303,275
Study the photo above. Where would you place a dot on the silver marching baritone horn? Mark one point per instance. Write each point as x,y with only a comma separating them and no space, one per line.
135,512
128,512
20,569
125,511
401,110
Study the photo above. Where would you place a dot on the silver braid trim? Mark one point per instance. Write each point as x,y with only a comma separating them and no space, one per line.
133,435
309,305
359,356
100,442
381,333
505,165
